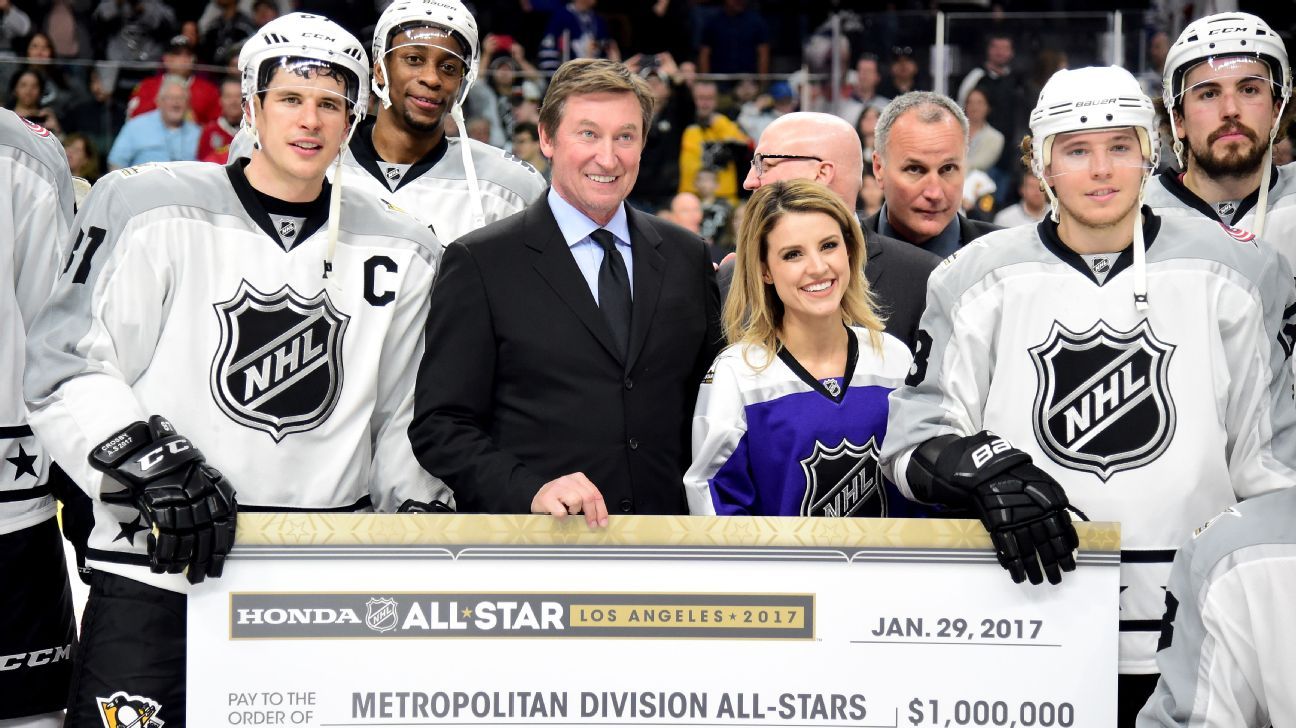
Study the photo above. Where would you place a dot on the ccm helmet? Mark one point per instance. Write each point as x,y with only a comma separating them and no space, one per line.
449,15
304,38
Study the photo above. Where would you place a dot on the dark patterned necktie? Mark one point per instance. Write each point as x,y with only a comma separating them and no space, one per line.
614,289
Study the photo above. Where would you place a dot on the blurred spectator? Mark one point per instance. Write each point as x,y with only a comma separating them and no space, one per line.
136,31
263,11
82,156
1048,62
1282,150
526,146
479,128
758,114
735,41
177,65
985,143
870,194
576,31
866,127
97,116
905,75
1008,110
1032,207
1158,46
712,141
61,92
863,93
216,135
224,29
659,173
716,213
979,195
26,88
71,38
162,135
14,24
508,72
660,26
686,211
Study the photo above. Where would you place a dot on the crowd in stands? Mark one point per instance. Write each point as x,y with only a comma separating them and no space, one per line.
131,81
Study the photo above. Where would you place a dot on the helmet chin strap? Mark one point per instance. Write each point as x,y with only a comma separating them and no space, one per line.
470,169
1262,200
335,205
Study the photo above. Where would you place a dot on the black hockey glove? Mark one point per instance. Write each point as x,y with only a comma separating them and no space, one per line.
413,506
1023,509
188,503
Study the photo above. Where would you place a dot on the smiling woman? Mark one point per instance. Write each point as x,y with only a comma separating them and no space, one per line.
802,328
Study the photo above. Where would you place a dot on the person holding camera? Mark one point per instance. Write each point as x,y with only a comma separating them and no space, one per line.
714,140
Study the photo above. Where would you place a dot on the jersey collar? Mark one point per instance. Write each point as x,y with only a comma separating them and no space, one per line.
852,356
1173,183
1049,235
366,155
260,205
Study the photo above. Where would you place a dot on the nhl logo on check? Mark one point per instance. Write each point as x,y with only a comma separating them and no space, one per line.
380,614
845,480
1102,403
278,367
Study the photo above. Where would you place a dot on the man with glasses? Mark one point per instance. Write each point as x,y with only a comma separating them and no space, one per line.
920,158
822,147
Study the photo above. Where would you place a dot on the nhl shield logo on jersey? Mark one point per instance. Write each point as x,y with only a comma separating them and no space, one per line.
129,711
845,480
278,367
1103,403
380,614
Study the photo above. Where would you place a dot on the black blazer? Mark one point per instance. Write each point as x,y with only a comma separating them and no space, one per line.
969,230
897,274
519,382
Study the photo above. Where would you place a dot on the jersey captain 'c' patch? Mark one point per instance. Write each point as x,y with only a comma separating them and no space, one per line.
845,480
278,367
1102,402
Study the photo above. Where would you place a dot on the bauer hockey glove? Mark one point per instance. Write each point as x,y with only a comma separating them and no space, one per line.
1024,510
188,503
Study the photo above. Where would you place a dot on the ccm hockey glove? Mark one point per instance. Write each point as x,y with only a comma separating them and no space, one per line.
188,503
1023,509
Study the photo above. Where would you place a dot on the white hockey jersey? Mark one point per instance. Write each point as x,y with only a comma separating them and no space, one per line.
184,296
778,442
1227,652
1168,197
435,189
1158,419
35,216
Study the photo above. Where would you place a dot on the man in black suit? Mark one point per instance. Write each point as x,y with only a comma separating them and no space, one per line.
822,147
566,343
920,158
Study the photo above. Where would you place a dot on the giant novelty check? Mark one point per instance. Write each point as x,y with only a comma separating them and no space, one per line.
464,620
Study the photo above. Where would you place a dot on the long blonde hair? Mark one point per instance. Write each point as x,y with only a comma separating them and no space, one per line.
753,312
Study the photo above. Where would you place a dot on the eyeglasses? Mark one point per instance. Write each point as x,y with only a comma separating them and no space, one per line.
758,160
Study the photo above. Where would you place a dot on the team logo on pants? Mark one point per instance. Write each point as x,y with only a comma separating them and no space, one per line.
845,480
1103,401
278,367
129,711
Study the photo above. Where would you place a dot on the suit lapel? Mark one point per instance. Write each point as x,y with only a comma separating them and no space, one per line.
558,268
873,269
649,270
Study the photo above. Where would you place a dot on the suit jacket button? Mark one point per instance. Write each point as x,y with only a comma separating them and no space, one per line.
629,383
626,505
634,443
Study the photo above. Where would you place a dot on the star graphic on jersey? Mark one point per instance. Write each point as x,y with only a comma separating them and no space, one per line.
129,529
24,463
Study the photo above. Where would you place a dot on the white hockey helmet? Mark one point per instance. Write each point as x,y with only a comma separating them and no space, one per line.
1089,99
1221,35
451,15
309,38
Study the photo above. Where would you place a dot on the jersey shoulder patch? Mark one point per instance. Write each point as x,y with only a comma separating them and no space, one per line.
1228,512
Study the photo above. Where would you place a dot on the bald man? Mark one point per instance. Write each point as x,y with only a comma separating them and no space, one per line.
824,148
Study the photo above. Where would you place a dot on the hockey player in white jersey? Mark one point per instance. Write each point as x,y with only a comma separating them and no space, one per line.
247,329
1228,639
36,609
1130,365
425,59
1226,83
